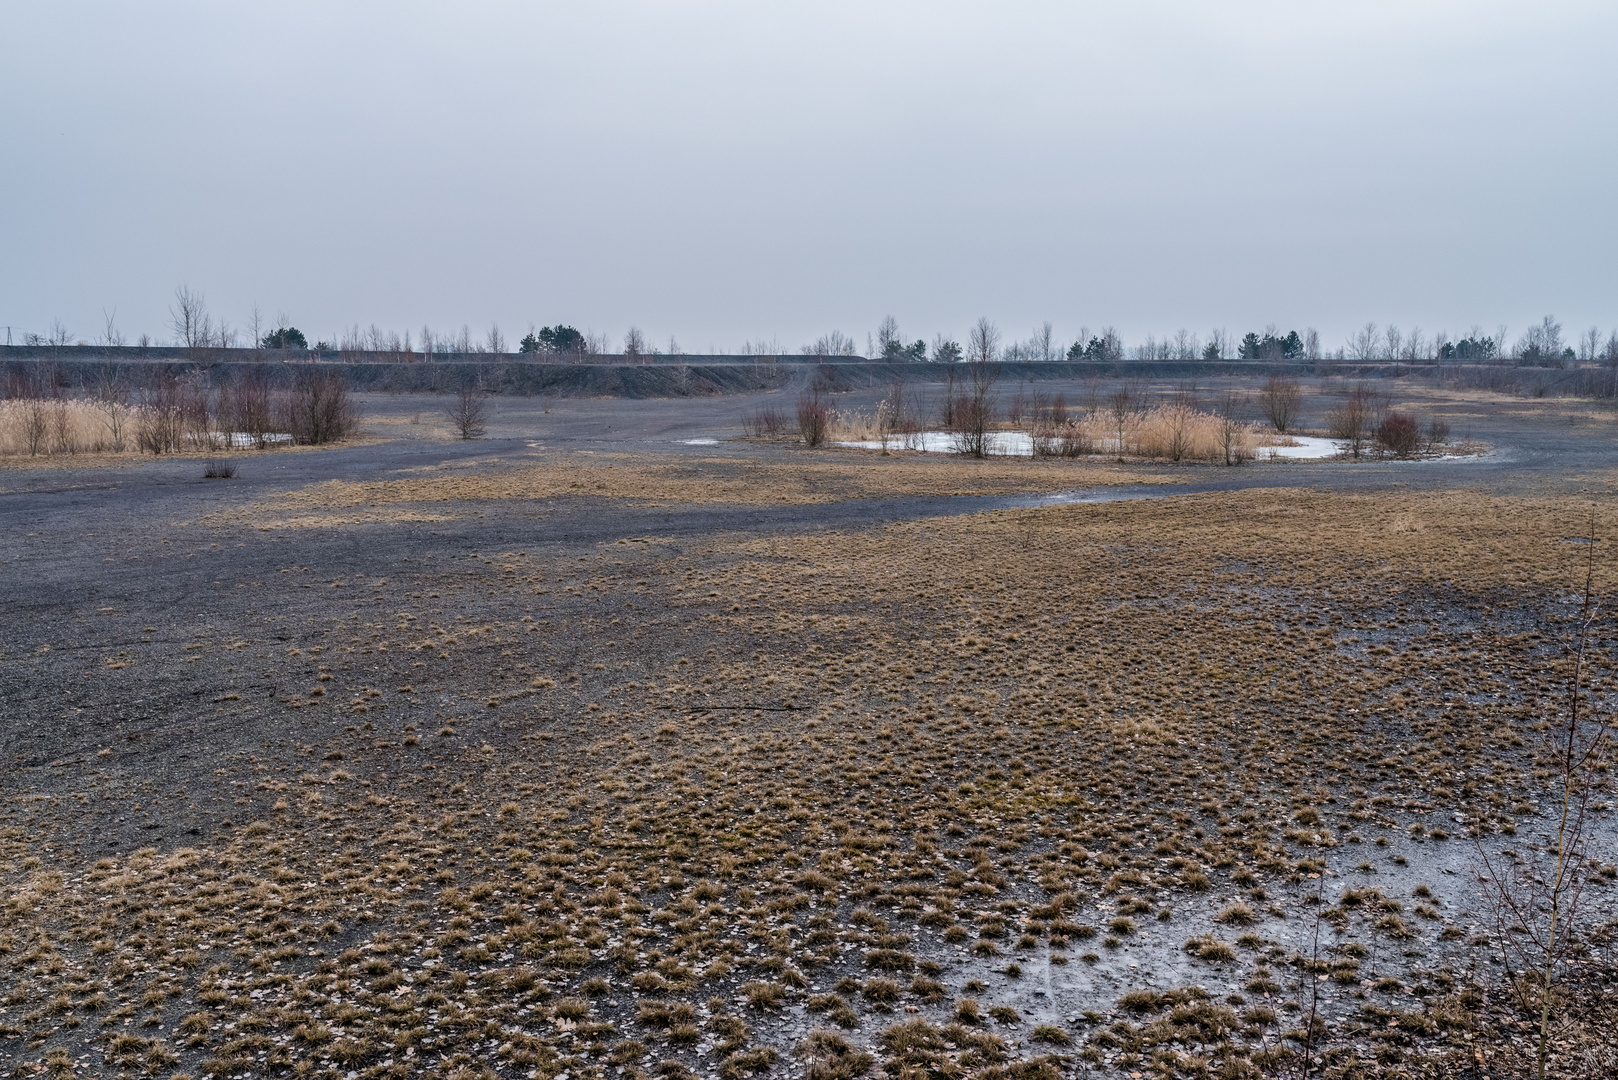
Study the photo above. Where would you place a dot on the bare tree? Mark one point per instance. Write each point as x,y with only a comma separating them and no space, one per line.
496,341
1044,341
888,345
634,344
110,336
1280,399
1415,348
255,326
835,343
983,343
1394,341
60,336
1590,345
1535,902
1363,344
189,320
468,411
1311,344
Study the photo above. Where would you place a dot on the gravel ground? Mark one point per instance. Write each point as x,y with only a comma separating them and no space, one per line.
185,661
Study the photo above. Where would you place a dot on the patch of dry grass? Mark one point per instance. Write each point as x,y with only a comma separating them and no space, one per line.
827,476
682,791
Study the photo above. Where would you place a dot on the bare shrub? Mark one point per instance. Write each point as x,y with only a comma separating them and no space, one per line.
1355,417
64,437
35,425
318,409
974,408
1281,399
1234,438
1176,423
112,396
218,469
161,419
766,421
1534,901
814,416
1436,435
1122,406
1399,435
468,412
196,415
251,410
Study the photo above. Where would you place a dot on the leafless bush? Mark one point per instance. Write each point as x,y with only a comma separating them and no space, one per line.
64,437
766,421
1355,417
1280,400
112,396
974,408
35,425
468,412
318,409
1399,435
1176,421
1123,404
161,418
1234,438
196,415
1052,433
814,416
1534,901
903,414
1436,435
219,469
250,407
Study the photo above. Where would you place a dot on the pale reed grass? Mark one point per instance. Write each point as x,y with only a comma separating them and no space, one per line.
36,426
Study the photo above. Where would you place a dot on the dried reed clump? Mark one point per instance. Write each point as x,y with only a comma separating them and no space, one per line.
1175,432
34,426
1181,433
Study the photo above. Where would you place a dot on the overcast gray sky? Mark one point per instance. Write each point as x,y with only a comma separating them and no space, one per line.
718,171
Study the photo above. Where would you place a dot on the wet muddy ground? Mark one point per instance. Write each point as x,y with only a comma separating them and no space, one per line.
583,749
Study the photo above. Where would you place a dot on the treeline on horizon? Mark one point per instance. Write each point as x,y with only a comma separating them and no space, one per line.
1543,344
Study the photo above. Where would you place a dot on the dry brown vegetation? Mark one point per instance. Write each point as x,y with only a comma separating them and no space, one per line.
829,477
640,807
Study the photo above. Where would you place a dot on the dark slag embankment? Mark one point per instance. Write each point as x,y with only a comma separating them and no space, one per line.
74,369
